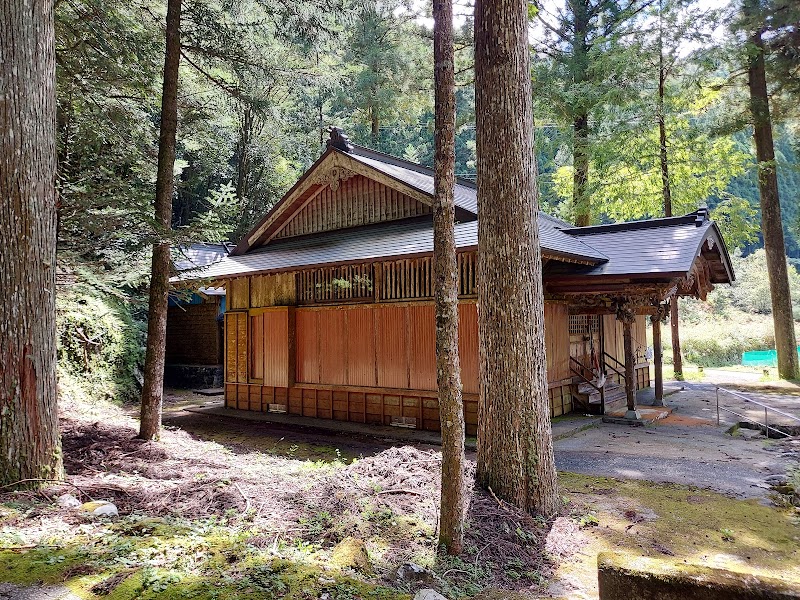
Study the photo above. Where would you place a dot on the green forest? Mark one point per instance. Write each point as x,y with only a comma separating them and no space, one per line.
261,82
399,299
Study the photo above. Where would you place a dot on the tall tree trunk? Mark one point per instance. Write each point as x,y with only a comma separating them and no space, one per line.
580,125
666,190
771,226
30,445
153,389
580,172
515,449
448,367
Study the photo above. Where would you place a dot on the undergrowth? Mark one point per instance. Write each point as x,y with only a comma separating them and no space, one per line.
100,344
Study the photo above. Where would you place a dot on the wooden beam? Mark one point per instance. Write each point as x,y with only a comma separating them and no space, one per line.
630,362
658,360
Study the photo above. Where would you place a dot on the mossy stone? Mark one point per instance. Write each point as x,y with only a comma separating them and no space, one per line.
351,553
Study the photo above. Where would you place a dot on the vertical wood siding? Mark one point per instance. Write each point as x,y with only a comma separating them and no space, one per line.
357,201
341,352
236,347
333,346
256,335
556,341
392,355
468,346
422,347
307,336
277,347
362,367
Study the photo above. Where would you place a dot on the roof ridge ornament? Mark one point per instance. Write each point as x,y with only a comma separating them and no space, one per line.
339,140
702,214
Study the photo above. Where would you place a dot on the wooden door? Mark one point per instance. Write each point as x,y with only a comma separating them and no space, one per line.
584,340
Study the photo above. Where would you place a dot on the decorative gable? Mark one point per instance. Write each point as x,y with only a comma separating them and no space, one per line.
350,200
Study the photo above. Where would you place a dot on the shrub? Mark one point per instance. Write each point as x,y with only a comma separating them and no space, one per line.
713,339
100,345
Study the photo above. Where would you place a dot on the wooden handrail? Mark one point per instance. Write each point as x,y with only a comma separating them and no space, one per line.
581,375
612,367
601,390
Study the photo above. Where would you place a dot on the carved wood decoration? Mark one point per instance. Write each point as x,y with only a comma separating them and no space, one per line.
350,200
697,282
332,177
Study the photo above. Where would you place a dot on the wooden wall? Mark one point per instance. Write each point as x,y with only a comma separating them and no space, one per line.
193,334
376,345
371,363
614,344
356,201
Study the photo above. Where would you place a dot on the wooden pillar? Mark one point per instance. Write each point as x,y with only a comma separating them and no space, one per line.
658,360
627,316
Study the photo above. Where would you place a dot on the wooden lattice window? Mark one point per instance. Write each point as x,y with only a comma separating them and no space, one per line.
407,279
584,324
467,270
335,284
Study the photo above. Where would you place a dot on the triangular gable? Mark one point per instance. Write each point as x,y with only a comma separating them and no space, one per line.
335,193
350,200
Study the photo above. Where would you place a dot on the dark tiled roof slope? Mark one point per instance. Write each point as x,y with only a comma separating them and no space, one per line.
392,239
653,246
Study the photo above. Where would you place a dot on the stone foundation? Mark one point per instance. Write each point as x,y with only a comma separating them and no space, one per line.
638,578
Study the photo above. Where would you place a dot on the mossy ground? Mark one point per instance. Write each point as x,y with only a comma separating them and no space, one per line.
139,557
681,524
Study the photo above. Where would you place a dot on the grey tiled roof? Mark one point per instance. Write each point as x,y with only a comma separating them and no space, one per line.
653,246
392,239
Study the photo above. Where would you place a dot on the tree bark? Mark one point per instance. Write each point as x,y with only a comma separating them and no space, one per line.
658,359
515,451
580,124
448,367
771,226
580,175
153,389
666,190
30,445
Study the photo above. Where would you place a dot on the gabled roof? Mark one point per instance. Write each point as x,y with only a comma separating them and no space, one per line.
653,247
408,178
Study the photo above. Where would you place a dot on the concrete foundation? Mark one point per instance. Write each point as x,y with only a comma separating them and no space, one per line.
632,578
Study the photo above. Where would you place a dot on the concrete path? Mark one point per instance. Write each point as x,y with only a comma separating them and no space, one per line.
686,447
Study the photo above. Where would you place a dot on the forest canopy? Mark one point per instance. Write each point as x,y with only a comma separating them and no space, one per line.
261,81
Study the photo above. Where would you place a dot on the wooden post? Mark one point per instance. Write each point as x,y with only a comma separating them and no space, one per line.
626,315
658,359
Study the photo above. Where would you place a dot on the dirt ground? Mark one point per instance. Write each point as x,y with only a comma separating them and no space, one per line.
225,508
